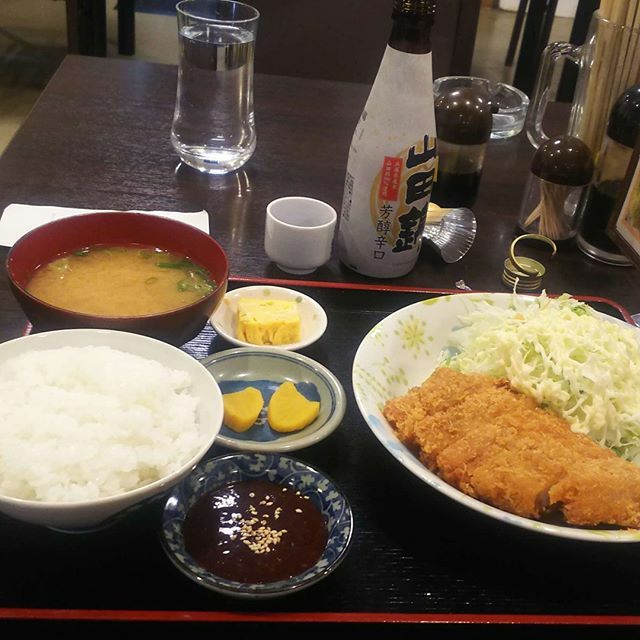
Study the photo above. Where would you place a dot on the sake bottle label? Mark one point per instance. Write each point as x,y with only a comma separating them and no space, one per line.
390,170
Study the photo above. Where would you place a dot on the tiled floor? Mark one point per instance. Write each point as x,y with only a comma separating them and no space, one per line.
33,42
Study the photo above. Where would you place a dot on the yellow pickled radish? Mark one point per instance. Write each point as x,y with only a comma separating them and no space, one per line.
289,410
242,408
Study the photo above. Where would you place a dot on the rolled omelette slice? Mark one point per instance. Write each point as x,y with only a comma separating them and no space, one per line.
268,322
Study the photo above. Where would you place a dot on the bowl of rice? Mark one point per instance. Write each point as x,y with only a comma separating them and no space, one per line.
94,422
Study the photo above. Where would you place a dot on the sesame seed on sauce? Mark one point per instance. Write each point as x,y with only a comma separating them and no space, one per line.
225,534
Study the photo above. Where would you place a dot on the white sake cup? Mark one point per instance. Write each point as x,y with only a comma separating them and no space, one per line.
299,232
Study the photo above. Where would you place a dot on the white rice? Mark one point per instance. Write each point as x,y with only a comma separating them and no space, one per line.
79,423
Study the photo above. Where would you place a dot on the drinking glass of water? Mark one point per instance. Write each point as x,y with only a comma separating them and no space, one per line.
213,124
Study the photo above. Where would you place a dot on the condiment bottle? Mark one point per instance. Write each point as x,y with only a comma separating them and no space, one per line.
607,189
463,121
561,171
392,156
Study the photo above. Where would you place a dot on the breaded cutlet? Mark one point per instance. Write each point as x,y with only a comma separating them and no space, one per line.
482,464
437,397
507,463
499,446
600,491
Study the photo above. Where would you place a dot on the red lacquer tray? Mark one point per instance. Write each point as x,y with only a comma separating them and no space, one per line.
416,556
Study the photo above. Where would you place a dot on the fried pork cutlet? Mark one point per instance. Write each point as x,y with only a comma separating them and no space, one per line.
498,445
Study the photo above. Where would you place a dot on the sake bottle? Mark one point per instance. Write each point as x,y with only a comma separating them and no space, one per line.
392,157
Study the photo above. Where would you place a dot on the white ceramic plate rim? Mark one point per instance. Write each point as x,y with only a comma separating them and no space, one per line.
312,335
384,433
300,439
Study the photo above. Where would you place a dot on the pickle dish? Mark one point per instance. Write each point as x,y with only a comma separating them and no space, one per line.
265,369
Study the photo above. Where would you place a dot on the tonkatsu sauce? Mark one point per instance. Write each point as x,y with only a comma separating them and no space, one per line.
255,532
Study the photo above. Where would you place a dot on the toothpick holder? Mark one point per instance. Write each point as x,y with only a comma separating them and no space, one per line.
560,174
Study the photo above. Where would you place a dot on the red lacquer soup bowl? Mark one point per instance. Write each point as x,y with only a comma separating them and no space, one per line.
51,240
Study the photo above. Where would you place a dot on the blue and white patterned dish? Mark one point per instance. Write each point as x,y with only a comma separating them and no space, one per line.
266,368
218,472
400,352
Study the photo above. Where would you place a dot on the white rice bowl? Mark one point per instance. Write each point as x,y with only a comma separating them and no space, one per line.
93,421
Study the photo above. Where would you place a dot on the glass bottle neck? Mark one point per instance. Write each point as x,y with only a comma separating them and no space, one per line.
411,34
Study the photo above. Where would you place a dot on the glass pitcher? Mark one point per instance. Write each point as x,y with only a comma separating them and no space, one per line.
608,64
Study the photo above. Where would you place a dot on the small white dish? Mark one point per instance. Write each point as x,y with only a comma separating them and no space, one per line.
313,319
266,368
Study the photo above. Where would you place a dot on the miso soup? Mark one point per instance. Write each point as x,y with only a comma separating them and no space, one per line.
114,281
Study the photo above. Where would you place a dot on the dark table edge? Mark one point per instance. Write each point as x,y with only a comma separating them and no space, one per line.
330,617
114,615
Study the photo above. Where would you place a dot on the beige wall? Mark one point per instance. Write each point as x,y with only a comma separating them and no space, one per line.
42,22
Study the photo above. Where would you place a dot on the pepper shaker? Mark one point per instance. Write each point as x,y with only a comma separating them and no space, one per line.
561,171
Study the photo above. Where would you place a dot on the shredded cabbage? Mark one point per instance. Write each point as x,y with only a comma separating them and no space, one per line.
561,353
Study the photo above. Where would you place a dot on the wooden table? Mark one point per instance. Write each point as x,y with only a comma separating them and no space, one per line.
99,138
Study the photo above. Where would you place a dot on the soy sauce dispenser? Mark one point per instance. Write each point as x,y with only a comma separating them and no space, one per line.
463,123
607,189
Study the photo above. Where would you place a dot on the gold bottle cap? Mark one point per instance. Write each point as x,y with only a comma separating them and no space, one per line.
522,273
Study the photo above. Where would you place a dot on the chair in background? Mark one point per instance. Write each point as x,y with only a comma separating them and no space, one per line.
537,27
333,40
345,40
540,15
87,27
569,76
